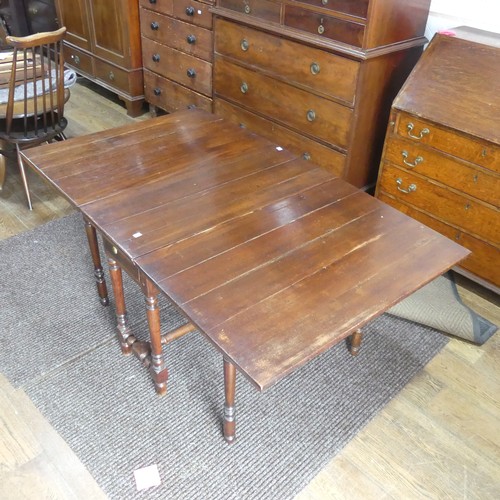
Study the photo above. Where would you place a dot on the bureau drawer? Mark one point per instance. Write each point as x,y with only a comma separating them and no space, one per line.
78,60
461,211
484,258
308,113
178,34
161,6
171,96
359,8
177,66
263,9
330,27
123,260
449,141
328,158
308,67
113,76
466,177
193,12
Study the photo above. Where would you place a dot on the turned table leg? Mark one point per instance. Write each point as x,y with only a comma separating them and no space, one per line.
229,424
355,342
96,259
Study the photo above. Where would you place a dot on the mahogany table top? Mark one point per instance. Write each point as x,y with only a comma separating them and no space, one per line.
274,259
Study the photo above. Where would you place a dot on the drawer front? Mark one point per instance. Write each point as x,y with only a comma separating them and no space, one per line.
179,35
465,177
449,141
78,60
310,114
111,75
171,96
308,67
123,261
328,158
484,259
326,26
193,12
262,9
466,213
161,6
187,70
359,8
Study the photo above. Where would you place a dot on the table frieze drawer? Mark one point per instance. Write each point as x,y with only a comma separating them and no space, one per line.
262,9
177,34
325,26
317,153
472,216
315,69
312,115
162,6
116,77
78,60
123,261
193,12
449,141
171,96
484,258
187,70
356,9
481,183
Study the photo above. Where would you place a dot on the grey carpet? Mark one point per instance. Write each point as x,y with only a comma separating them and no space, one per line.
58,343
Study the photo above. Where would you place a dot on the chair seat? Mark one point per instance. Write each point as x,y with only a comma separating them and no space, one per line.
21,109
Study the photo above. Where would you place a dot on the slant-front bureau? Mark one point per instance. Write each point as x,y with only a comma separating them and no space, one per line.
441,161
317,76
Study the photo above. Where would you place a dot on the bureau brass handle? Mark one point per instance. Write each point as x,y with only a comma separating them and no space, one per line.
418,160
191,39
411,187
156,57
247,9
306,156
154,25
111,76
420,136
311,115
315,68
75,59
191,73
244,45
157,91
190,11
244,87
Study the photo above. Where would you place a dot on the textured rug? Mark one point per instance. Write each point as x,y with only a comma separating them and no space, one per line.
58,343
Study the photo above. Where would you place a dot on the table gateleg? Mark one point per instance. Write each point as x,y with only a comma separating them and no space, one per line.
96,259
229,425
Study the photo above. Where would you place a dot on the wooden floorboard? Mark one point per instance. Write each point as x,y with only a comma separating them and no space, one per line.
439,438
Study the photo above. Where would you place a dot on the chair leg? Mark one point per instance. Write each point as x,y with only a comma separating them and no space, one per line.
23,176
2,170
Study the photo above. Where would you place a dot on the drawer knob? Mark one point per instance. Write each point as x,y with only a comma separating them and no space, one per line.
191,39
190,11
420,136
191,106
111,76
311,115
114,250
75,59
324,2
411,187
321,29
152,1
244,87
306,156
315,68
191,73
154,25
244,45
247,9
156,57
157,91
418,160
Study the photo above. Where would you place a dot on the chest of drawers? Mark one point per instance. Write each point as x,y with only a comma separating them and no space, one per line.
441,160
317,76
177,48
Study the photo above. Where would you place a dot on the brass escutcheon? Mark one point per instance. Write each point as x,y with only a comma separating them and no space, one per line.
315,68
244,87
244,45
321,29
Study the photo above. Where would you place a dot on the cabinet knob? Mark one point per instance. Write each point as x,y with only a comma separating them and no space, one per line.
244,87
157,91
315,68
244,45
75,59
420,136
156,57
190,11
111,76
191,39
191,73
418,160
152,1
411,187
191,106
154,25
306,156
247,9
311,115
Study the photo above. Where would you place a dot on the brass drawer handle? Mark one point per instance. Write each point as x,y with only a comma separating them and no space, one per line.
315,68
324,2
247,9
311,115
75,59
420,136
418,160
244,87
411,187
244,45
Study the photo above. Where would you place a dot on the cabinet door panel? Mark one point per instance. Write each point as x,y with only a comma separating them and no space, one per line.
73,14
